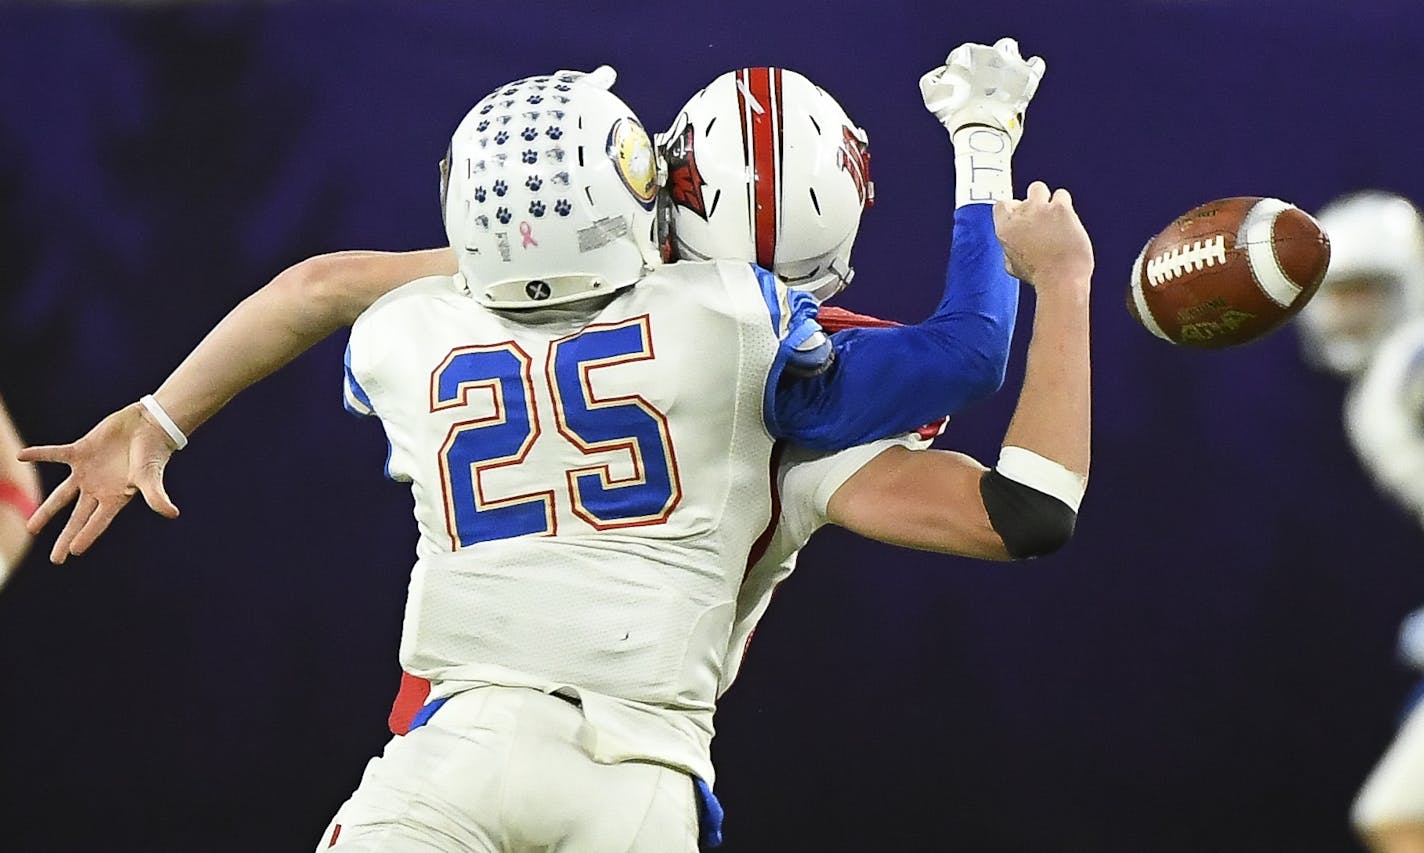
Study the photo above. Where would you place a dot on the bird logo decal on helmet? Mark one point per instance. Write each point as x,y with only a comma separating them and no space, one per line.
854,158
685,183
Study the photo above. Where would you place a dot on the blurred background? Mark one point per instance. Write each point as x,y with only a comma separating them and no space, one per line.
1209,666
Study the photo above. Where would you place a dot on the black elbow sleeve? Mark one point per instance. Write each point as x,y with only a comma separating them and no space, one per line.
1030,522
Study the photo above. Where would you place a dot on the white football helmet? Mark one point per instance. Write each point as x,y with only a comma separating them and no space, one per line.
1384,417
548,192
1375,281
764,166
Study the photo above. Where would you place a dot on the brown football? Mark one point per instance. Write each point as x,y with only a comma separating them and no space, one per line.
1228,272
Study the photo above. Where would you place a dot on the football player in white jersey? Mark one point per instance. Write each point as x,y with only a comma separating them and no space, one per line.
1057,252
718,212
1366,324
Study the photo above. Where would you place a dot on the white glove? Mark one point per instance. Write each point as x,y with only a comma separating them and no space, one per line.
983,85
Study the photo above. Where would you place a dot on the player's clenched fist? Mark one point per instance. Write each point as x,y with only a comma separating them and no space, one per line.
1044,242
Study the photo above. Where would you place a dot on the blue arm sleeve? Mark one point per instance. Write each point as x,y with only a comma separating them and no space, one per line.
884,382
353,396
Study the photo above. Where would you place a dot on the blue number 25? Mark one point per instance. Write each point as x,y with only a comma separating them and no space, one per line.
592,424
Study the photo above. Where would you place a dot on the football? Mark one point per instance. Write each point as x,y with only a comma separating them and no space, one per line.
1228,272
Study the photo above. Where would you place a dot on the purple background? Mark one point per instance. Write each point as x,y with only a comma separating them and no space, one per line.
1208,666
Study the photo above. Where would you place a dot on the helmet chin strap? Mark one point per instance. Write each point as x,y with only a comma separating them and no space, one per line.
827,291
834,283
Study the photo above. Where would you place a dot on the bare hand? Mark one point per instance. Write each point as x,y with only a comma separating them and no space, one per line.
123,455
1044,242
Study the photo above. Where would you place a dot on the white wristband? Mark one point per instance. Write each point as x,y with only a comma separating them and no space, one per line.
175,434
1037,472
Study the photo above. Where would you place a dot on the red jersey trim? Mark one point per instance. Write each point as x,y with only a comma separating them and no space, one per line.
410,698
834,319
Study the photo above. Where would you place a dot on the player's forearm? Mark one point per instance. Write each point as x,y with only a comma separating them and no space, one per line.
292,313
1053,416
264,332
973,325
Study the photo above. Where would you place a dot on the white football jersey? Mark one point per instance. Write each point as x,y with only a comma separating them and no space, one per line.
588,483
804,483
1384,416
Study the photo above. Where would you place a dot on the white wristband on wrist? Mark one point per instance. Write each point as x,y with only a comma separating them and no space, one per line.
175,434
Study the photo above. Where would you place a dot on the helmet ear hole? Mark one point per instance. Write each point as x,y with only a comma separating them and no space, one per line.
815,202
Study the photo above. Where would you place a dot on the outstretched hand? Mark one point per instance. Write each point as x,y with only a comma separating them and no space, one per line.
1044,242
122,455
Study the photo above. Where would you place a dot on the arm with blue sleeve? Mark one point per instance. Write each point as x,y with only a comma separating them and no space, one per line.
867,384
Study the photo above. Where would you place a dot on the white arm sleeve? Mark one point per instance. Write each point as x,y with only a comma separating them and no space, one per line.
808,479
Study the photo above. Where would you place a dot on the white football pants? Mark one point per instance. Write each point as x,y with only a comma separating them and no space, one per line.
500,770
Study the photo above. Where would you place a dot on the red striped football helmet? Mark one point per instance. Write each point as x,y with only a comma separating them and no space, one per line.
765,166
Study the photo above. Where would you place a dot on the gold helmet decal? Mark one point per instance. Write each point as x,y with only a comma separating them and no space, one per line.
633,157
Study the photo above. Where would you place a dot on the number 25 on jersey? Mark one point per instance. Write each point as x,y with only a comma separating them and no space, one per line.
594,425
